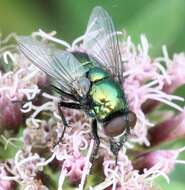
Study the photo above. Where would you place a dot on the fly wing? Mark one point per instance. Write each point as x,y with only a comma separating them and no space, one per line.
101,42
65,70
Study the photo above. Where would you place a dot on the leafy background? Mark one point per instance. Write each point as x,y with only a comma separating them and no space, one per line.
161,20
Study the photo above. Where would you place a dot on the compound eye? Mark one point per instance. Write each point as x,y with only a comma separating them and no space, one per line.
131,117
117,125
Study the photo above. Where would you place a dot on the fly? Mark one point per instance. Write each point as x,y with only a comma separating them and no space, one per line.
92,81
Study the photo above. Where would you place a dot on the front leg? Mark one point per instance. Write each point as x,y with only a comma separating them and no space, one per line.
71,105
116,145
96,138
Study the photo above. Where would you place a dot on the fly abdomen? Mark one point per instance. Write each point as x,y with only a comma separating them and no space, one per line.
107,97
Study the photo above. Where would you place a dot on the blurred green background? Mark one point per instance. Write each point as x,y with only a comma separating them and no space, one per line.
162,21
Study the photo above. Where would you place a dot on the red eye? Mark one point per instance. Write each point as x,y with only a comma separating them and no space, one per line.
117,125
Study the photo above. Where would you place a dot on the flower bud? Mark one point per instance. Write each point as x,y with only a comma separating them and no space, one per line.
74,167
10,114
147,160
149,105
168,130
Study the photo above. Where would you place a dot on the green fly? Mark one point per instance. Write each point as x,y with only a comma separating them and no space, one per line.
91,80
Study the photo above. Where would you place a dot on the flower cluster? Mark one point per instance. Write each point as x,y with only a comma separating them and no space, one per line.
28,105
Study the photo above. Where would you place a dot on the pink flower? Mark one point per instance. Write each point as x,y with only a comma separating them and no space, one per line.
147,84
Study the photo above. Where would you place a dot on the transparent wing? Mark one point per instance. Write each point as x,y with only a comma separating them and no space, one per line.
101,42
65,70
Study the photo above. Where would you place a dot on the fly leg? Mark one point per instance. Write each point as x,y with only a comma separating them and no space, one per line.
63,121
96,138
117,144
71,105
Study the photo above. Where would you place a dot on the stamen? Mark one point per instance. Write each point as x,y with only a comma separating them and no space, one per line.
10,55
76,41
87,166
53,39
47,106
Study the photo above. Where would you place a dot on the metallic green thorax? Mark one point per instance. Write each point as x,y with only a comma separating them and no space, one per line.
96,74
105,93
